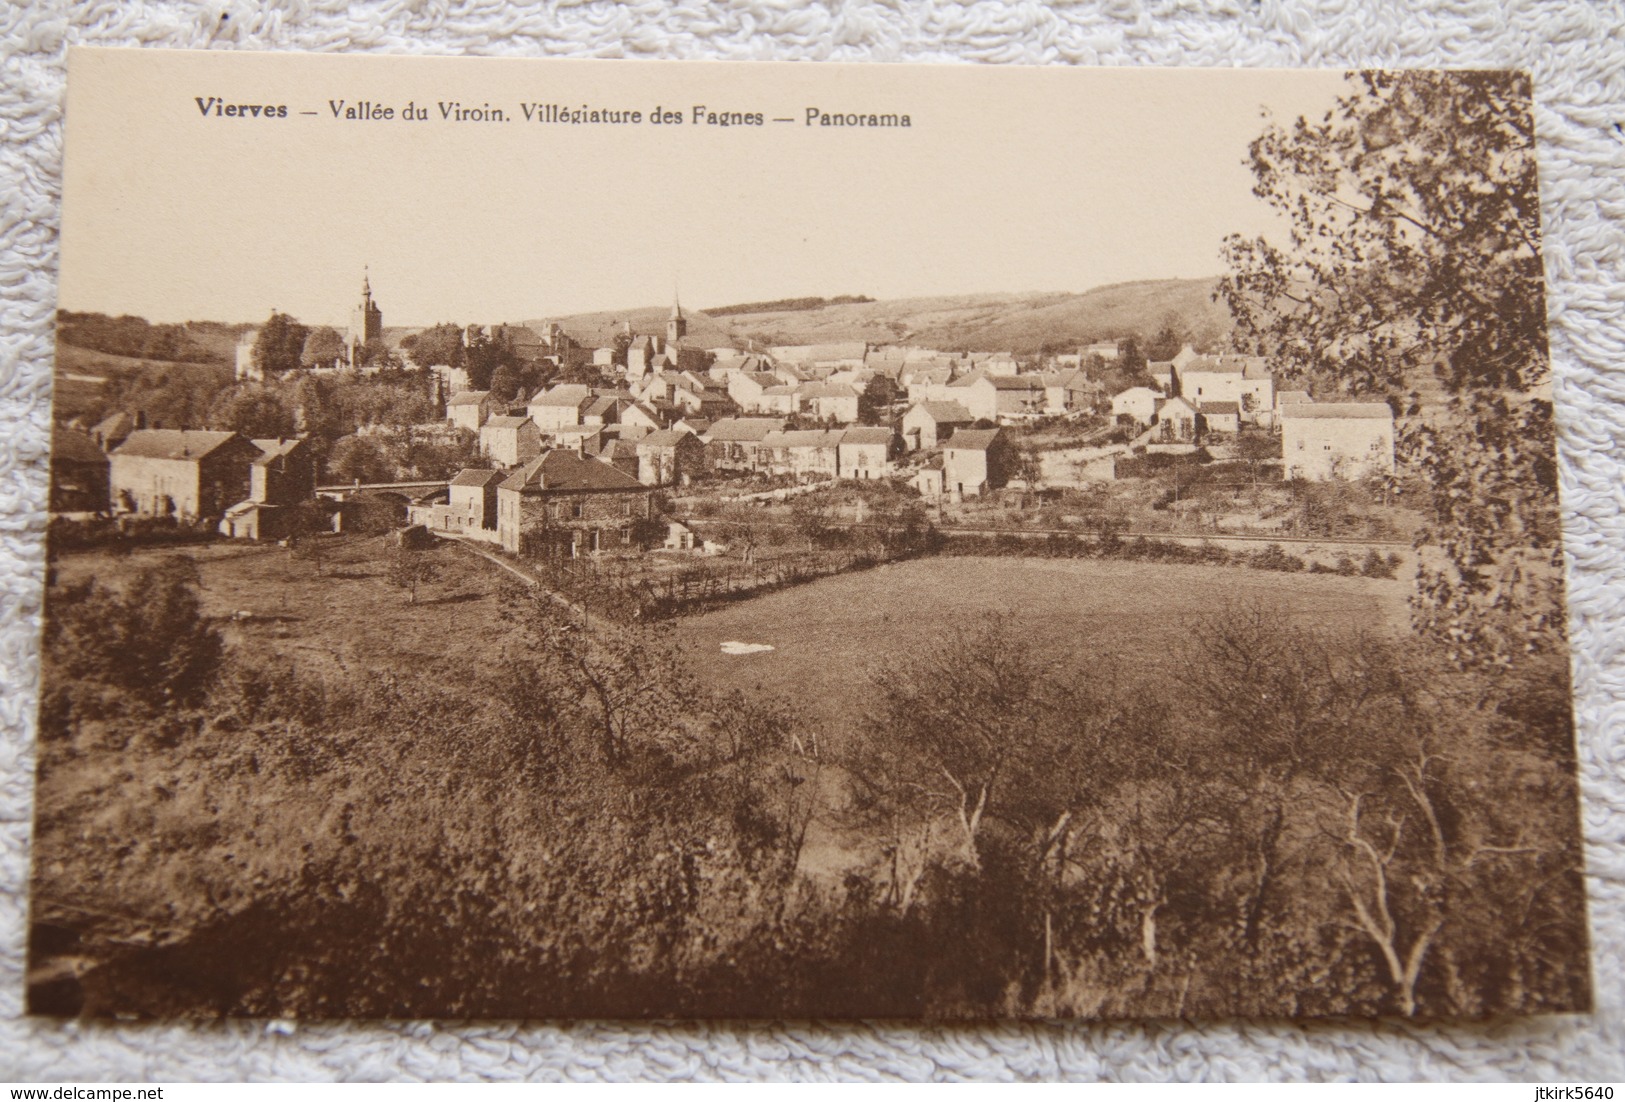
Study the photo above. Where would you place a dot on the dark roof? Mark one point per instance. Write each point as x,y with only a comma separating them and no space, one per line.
620,449
664,438
744,428
475,477
565,470
947,412
507,422
1221,407
1015,382
601,406
566,394
174,443
74,446
468,398
973,439
867,434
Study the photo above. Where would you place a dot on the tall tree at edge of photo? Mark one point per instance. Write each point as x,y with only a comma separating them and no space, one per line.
1414,256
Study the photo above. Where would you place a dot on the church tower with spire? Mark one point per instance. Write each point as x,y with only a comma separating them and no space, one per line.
366,322
676,325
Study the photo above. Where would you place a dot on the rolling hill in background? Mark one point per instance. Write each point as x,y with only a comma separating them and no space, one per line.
1021,323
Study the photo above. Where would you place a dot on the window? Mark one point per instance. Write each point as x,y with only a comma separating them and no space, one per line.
575,510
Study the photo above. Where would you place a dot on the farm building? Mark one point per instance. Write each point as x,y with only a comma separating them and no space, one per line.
180,473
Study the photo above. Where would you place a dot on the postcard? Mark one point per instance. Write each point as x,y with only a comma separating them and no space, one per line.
614,539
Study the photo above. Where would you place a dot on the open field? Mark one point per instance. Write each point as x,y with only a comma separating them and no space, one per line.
348,615
825,635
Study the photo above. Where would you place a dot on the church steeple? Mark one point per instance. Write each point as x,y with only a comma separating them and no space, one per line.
677,325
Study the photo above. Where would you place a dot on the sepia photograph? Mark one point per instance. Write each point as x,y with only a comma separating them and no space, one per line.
638,540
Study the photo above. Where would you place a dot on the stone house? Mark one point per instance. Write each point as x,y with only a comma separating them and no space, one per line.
183,473
471,506
1138,403
670,457
1176,419
283,476
1321,441
1003,397
1219,417
1244,380
804,453
735,443
565,505
561,406
510,441
865,452
927,424
835,402
469,410
746,387
977,461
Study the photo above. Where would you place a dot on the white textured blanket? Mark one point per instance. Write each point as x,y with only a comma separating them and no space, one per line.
1576,51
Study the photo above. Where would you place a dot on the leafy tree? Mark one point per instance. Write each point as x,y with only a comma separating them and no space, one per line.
875,403
280,345
252,411
408,569
1167,343
323,348
484,354
358,459
435,346
151,640
1414,249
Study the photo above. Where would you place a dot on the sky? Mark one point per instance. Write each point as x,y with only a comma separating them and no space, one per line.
1008,179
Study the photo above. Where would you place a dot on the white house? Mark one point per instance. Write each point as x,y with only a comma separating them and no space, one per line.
559,407
1138,402
1325,440
1176,419
469,409
927,424
865,452
510,441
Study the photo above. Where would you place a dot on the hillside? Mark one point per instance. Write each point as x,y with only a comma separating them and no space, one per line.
994,322
972,323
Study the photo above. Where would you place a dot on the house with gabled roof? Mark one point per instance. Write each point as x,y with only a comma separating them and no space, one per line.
927,424
977,461
735,443
836,402
670,457
804,453
509,440
1219,417
184,473
559,406
561,504
1321,441
1138,403
469,410
1176,420
866,452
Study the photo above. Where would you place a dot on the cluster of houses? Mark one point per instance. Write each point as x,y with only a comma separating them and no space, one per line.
251,486
577,466
1195,398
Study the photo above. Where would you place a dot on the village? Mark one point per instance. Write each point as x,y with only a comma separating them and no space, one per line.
650,445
